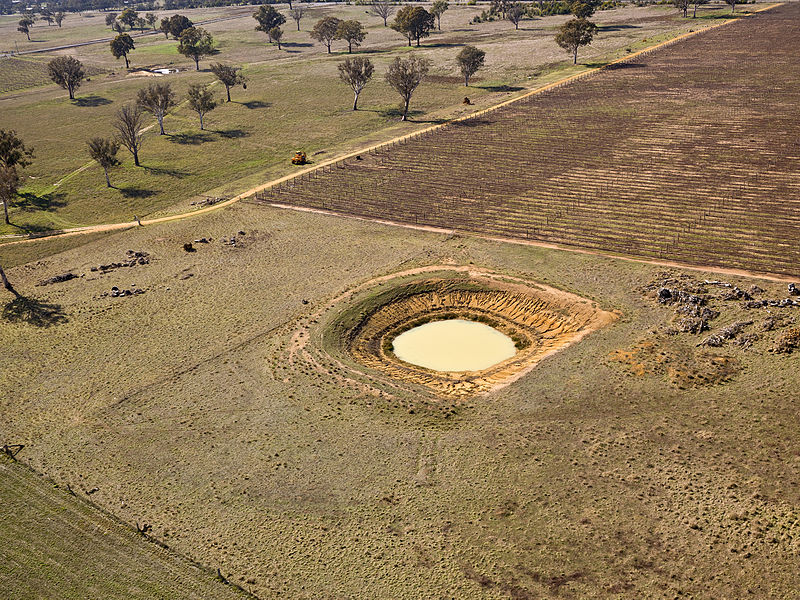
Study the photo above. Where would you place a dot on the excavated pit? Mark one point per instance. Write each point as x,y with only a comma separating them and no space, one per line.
539,319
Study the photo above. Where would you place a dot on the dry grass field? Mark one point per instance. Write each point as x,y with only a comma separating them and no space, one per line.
57,545
212,397
634,463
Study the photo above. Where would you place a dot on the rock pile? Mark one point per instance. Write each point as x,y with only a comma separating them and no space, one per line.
58,279
132,258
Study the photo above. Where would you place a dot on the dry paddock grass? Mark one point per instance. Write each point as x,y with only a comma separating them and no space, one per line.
688,153
581,480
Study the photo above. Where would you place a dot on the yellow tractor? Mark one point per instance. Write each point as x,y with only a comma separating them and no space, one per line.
299,158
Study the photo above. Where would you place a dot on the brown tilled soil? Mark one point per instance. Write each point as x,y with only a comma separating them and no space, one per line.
688,154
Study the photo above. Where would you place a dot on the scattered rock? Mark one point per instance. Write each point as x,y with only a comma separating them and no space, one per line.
202,241
787,342
794,290
58,279
188,247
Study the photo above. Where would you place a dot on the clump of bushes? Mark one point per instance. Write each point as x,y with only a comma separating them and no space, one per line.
788,341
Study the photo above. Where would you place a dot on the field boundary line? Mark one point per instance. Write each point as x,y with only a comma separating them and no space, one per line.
777,277
103,228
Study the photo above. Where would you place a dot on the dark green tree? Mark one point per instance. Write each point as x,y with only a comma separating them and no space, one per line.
195,43
268,18
414,22
67,72
14,155
25,25
574,34
201,100
229,76
352,32
128,17
469,60
121,46
325,30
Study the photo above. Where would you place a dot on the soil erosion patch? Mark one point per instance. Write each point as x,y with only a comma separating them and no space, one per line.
538,319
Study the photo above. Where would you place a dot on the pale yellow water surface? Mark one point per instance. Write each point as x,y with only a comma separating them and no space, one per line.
454,345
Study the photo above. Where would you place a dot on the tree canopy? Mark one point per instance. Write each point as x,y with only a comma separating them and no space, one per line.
121,46
356,72
268,18
201,100
469,60
229,76
104,153
352,32
67,72
157,99
405,75
414,22
325,31
195,43
574,34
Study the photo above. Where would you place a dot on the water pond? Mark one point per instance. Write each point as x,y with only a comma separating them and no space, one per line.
454,345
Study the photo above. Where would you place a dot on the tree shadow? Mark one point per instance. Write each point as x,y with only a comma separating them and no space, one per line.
30,202
296,44
253,104
33,312
389,113
232,134
500,88
134,192
92,100
190,139
474,122
616,27
171,172
621,65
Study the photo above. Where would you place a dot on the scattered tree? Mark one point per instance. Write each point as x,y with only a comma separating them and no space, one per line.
582,10
696,4
201,100
196,43
151,19
175,25
128,17
9,185
25,25
683,6
574,34
47,16
229,76
732,4
297,13
414,22
117,26
405,75
438,8
515,13
67,72
128,123
469,60
141,24
500,6
157,99
104,152
13,154
325,31
268,18
352,32
111,18
356,72
275,35
121,46
164,27
59,18
382,9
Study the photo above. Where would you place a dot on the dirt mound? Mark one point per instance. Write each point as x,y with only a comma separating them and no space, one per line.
540,320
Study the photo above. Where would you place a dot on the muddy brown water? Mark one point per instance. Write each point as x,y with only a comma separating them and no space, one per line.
454,345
